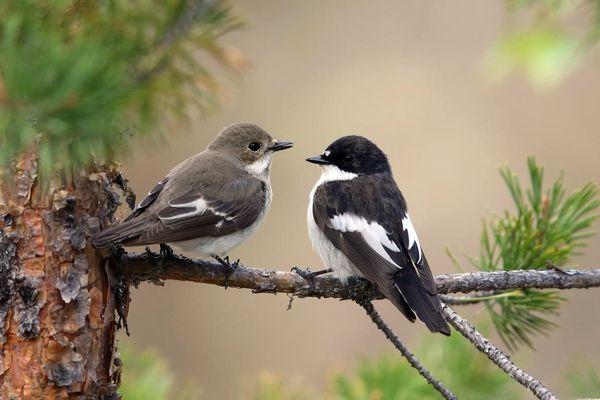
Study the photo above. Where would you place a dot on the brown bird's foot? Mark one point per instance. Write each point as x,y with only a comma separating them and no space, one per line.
310,276
231,267
166,252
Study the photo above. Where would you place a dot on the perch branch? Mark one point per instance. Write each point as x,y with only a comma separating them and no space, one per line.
496,355
410,357
149,266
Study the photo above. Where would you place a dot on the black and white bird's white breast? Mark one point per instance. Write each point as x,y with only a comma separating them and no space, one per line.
332,257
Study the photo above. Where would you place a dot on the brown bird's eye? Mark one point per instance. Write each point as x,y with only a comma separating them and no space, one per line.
254,146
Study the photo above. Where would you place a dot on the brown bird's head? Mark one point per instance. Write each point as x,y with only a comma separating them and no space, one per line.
251,145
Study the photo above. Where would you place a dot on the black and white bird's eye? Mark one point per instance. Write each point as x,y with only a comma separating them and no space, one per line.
348,157
254,146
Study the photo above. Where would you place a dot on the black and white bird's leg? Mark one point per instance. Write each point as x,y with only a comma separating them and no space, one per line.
230,266
310,276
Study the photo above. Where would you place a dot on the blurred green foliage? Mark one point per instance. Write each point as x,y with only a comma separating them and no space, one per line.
389,377
77,78
468,373
548,226
545,39
584,381
147,376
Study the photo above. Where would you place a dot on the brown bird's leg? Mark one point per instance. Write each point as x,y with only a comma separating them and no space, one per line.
166,252
310,276
231,267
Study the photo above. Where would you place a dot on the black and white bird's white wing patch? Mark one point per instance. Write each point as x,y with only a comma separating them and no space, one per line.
364,223
410,240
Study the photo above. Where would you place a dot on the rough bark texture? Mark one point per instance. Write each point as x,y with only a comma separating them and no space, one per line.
496,355
57,324
145,267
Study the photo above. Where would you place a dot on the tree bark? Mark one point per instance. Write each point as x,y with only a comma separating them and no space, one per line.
57,325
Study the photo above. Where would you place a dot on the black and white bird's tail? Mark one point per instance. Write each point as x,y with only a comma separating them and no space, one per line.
120,234
423,303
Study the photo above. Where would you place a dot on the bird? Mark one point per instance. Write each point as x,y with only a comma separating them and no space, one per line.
359,225
210,202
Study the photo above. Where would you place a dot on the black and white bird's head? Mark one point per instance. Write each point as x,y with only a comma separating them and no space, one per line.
251,145
355,155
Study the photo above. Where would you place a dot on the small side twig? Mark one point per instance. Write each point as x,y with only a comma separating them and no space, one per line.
410,357
496,355
478,297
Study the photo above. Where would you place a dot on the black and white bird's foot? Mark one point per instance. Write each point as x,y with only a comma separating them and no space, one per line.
230,266
310,276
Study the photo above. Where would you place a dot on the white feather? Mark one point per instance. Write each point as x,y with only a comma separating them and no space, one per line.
373,233
259,167
222,245
413,239
332,173
200,206
330,255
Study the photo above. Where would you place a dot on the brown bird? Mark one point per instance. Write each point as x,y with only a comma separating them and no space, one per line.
209,203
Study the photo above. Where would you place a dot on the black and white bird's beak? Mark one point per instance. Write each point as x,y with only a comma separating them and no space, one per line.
318,160
281,145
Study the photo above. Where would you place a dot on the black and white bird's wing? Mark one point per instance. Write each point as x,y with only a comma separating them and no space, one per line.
410,241
359,221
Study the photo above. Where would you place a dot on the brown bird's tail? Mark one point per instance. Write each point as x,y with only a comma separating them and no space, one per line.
425,304
119,234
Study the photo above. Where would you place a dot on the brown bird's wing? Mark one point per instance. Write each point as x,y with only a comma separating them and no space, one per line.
203,196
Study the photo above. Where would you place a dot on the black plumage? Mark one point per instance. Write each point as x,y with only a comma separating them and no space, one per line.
364,215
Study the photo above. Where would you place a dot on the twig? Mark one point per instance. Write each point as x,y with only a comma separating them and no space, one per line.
145,267
478,297
496,355
412,360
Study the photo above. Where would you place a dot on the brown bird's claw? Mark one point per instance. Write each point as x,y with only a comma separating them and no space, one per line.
166,252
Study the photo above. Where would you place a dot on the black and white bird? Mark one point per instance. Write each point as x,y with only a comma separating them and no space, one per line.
359,225
209,203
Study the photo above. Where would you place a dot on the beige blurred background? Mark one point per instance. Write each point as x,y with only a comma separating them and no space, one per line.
409,76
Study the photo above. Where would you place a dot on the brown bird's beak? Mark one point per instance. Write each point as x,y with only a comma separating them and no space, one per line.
282,145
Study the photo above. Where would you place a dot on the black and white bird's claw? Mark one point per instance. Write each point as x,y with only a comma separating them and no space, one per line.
307,275
304,273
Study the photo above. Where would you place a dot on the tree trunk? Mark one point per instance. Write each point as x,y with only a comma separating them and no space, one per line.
57,325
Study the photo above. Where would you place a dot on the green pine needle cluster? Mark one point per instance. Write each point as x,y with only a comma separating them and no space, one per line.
468,373
584,381
548,227
79,77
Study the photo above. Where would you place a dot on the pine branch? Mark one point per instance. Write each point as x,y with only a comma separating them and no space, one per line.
185,21
410,357
496,355
149,266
